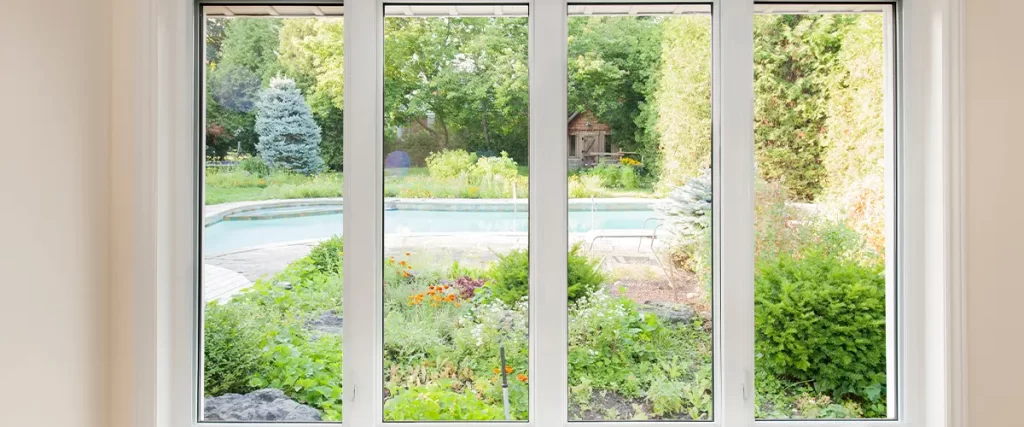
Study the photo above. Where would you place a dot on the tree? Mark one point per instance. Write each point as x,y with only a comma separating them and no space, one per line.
793,56
312,53
289,137
683,100
463,81
252,43
234,87
613,63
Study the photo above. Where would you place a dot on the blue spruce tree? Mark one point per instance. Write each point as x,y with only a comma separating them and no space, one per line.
289,137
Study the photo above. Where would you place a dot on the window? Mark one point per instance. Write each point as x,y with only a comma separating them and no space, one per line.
456,287
824,211
272,250
639,264
550,212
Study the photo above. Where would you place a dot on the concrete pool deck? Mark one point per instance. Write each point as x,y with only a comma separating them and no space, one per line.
216,213
250,264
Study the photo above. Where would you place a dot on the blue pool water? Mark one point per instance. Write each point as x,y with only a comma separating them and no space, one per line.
229,236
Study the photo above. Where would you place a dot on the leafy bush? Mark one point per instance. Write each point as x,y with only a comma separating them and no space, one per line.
609,175
627,177
609,340
511,274
438,402
490,168
328,255
666,396
254,166
232,347
820,318
450,163
307,370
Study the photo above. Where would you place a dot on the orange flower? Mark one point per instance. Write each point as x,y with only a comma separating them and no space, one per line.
496,370
401,263
521,377
508,369
407,254
405,274
446,287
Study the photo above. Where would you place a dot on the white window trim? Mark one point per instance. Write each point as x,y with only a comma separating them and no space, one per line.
155,46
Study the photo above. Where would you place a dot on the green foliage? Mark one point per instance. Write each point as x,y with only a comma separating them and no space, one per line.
254,166
511,274
307,369
491,168
599,179
232,350
328,256
613,63
438,402
820,318
627,177
608,174
683,103
463,81
252,44
615,347
666,396
450,163
793,58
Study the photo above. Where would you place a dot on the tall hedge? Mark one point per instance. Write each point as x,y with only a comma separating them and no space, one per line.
793,58
683,100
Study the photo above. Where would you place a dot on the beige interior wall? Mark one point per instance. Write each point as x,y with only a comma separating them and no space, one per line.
54,197
994,71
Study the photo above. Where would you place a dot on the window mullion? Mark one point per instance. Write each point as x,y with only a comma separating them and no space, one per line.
734,211
363,206
548,214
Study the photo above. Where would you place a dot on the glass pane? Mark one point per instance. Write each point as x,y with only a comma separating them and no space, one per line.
822,208
272,246
455,224
639,141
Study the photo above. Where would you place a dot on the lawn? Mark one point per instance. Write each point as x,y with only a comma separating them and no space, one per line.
224,185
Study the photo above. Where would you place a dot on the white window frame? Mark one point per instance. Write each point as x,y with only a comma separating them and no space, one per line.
159,351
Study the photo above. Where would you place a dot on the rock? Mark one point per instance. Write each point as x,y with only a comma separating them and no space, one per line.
328,323
261,405
669,312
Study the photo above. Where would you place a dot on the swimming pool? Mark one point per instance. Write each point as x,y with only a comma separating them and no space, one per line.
230,236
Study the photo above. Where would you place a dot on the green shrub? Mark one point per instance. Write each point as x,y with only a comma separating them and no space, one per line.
820,318
666,396
490,168
307,370
511,274
254,166
438,402
608,174
627,177
328,255
232,347
450,163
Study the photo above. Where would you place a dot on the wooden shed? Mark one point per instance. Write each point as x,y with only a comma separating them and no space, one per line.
589,141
